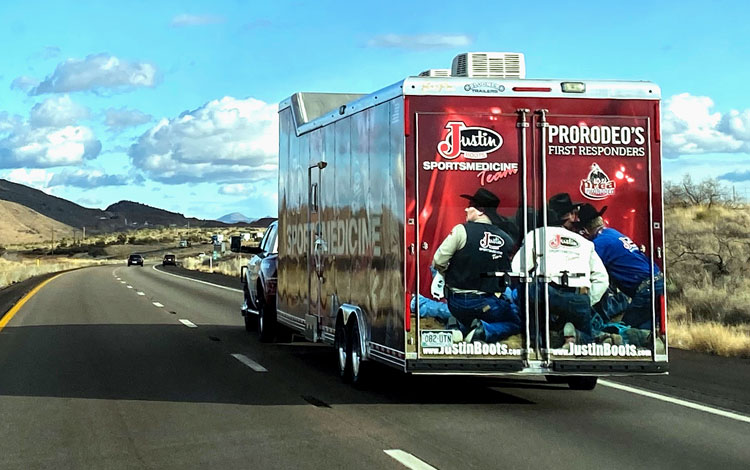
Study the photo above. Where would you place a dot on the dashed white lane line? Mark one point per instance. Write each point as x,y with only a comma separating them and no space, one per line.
250,363
157,304
677,401
141,293
408,460
123,282
188,323
196,280
130,287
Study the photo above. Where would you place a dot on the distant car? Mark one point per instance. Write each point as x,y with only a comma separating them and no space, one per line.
259,286
135,259
169,260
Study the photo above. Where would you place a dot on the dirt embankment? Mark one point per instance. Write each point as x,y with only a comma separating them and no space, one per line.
23,225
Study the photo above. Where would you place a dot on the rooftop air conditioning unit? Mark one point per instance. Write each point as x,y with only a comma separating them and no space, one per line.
489,65
436,73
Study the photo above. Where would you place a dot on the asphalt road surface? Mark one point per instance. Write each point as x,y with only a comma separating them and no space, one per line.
116,367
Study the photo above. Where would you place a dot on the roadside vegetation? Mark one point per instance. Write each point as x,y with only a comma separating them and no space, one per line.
22,269
708,267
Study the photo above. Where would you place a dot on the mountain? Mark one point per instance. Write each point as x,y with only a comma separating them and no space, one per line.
22,225
233,218
117,217
141,214
69,213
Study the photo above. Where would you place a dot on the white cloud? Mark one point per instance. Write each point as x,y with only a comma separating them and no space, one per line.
35,178
236,189
119,119
24,83
88,178
227,140
96,73
196,20
57,111
420,41
690,127
45,147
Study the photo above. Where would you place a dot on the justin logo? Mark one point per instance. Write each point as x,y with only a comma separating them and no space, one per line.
597,185
557,241
491,242
473,143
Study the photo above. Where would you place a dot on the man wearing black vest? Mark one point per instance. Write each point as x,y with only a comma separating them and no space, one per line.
471,249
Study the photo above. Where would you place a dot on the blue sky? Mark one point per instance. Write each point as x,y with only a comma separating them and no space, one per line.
173,104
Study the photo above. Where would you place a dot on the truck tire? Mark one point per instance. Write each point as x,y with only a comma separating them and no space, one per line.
251,320
556,379
582,383
341,345
266,321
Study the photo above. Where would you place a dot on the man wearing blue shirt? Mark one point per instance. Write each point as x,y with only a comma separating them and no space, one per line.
628,268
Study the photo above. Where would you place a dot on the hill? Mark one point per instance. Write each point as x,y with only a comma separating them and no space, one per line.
22,225
139,214
61,210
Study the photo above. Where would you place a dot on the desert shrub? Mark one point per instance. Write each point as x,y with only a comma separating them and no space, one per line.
725,306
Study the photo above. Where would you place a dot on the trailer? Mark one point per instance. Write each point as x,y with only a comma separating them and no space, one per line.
369,187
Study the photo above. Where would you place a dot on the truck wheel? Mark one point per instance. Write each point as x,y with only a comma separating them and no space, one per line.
355,352
266,321
556,379
251,320
582,383
341,345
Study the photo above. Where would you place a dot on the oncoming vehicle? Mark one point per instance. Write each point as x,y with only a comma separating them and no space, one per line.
370,186
135,259
169,260
259,286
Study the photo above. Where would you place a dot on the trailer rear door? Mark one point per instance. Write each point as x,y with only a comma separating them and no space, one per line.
458,153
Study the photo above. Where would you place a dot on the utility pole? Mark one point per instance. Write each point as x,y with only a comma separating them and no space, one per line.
84,233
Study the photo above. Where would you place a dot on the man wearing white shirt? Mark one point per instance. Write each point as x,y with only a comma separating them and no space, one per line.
577,276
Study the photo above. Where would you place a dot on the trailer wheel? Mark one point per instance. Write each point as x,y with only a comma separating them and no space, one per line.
266,320
582,383
341,345
355,352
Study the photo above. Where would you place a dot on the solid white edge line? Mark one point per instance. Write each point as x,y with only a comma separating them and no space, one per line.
250,363
188,323
158,304
196,280
408,460
677,401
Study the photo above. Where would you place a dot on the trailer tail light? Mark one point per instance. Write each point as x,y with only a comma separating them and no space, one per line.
407,312
662,315
532,88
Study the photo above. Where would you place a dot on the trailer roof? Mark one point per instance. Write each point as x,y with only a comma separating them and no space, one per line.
313,110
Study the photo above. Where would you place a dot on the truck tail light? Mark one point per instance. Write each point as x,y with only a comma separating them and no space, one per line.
270,287
407,312
532,88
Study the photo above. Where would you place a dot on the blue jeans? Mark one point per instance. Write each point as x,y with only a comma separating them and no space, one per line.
499,316
639,312
566,306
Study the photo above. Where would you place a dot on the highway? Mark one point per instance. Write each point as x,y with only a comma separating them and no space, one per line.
128,367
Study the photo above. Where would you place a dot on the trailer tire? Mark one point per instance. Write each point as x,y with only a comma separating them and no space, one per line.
341,345
266,321
356,349
582,382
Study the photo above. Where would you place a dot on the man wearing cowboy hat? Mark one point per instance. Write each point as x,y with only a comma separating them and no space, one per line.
475,247
578,278
629,269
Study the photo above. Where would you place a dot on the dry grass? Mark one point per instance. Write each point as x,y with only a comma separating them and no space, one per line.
711,337
17,271
228,267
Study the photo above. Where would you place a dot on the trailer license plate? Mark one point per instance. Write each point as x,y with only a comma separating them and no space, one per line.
436,339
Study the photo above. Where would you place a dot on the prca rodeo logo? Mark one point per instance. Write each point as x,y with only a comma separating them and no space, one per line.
597,185
473,143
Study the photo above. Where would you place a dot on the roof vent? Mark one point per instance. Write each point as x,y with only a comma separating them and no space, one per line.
436,73
489,65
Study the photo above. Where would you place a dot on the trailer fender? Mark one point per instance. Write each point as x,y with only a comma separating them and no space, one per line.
348,312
